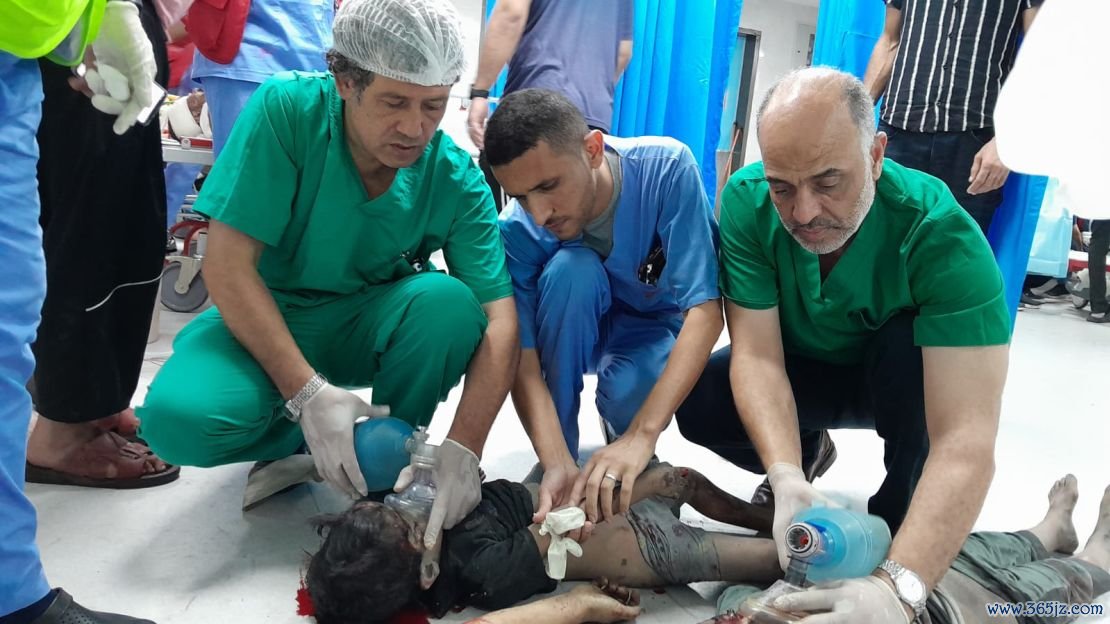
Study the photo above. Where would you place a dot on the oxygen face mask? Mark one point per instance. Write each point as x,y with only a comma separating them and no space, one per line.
416,500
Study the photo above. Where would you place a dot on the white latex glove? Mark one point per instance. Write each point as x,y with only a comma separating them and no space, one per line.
792,495
328,421
866,600
122,45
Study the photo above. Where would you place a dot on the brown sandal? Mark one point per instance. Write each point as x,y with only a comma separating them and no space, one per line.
107,461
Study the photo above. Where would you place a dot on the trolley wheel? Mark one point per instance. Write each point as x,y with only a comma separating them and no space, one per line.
190,300
1078,302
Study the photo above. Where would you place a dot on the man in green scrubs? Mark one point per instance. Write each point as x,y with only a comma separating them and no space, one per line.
330,196
858,295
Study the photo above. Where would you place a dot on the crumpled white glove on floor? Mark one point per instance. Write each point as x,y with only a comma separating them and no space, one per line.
866,600
122,47
793,494
328,420
556,524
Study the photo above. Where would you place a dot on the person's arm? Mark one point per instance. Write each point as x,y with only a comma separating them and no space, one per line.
761,390
624,57
527,250
536,410
247,307
881,64
586,603
625,17
503,32
963,400
627,456
488,377
1027,17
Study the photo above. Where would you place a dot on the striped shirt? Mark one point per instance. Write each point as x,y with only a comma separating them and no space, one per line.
953,56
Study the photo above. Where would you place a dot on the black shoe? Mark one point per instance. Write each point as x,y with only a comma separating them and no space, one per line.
1030,299
826,455
65,611
1098,317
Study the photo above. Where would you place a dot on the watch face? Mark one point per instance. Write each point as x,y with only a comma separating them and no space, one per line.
911,589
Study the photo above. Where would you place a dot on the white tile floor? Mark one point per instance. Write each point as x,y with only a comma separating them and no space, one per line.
186,553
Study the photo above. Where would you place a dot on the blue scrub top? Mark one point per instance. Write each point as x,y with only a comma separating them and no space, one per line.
280,35
662,202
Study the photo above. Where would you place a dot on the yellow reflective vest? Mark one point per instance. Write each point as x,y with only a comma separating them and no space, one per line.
57,29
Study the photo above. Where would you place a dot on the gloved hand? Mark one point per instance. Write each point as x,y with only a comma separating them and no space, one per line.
792,495
867,600
328,420
122,45
458,488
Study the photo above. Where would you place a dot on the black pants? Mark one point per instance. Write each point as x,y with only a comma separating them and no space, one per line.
1096,252
885,393
948,156
104,235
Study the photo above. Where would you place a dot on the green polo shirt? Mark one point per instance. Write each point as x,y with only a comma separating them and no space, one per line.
917,250
287,179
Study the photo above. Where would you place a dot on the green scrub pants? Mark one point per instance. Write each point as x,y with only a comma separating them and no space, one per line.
412,340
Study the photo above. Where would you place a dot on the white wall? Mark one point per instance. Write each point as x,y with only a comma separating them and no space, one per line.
779,22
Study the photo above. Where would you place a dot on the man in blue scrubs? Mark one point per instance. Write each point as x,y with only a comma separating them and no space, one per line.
611,245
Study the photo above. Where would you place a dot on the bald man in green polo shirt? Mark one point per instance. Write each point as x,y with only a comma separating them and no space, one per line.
858,295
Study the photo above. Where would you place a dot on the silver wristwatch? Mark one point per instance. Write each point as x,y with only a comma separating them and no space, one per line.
294,406
908,585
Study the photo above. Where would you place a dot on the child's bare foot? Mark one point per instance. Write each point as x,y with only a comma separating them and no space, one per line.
1057,530
1097,550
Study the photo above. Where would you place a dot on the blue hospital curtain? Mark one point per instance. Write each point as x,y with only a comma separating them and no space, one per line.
846,33
675,84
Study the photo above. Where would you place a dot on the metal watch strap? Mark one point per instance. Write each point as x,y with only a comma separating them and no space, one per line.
896,570
294,405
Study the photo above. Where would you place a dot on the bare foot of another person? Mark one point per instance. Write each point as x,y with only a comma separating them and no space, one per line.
1057,530
1097,550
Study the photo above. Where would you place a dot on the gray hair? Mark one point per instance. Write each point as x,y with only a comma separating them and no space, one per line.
854,94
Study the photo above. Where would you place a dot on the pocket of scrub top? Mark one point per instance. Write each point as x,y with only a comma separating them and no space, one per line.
407,264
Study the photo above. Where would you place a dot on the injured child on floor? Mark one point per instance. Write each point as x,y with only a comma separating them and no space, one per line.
368,566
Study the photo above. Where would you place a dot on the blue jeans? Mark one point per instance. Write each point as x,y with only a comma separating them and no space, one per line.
22,290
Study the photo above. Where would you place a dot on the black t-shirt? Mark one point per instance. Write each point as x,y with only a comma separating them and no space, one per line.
490,560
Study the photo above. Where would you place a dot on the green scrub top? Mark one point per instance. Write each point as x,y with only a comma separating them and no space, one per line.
917,250
287,179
